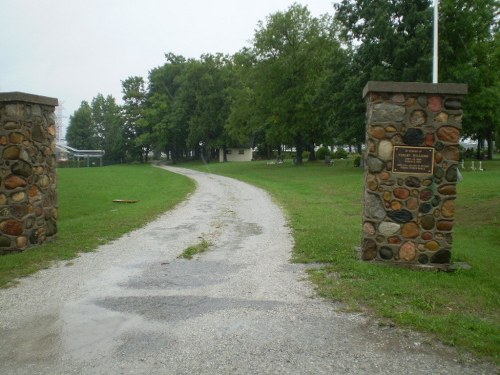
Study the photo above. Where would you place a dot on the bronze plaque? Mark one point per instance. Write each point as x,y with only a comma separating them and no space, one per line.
413,160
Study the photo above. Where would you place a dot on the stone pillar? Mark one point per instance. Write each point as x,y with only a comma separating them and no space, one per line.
412,154
28,205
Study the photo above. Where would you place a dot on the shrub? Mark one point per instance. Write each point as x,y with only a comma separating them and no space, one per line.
357,161
340,154
322,152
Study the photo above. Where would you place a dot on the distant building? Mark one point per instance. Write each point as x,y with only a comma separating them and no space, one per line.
236,154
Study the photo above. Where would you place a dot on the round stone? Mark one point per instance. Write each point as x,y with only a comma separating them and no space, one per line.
448,134
387,196
453,104
438,157
451,153
441,257
448,208
386,228
429,139
372,147
401,193
444,225
11,227
414,137
374,207
407,251
43,181
427,236
438,172
22,168
385,112
386,253
371,182
412,203
441,117
400,216
3,199
14,182
448,190
368,229
11,153
423,259
425,208
396,205
427,182
398,98
18,210
377,132
427,222
434,103
413,181
436,201
369,250
410,230
418,118
397,140
391,129
385,150
410,102
426,195
451,174
16,138
437,213
394,240
374,165
21,242
19,196
432,246
4,241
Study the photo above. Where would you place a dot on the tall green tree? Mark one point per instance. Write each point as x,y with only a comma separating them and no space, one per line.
109,128
81,132
138,132
469,31
289,48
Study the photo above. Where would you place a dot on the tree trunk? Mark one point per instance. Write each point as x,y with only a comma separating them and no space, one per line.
489,140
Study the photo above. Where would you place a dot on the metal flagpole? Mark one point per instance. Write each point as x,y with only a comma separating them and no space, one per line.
435,49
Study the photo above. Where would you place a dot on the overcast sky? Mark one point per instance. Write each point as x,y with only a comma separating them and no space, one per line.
74,49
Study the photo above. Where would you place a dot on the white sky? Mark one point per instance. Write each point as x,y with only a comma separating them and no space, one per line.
74,49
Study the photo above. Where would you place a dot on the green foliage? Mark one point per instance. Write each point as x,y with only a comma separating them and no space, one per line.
340,154
89,218
81,133
357,161
191,251
322,153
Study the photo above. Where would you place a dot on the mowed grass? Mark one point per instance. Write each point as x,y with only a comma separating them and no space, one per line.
324,205
88,217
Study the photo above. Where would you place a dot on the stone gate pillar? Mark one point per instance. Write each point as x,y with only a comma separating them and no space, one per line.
28,207
412,154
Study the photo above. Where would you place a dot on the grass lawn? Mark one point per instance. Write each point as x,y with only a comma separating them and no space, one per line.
324,205
88,217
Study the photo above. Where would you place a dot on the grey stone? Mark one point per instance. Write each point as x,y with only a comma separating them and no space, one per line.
374,207
385,112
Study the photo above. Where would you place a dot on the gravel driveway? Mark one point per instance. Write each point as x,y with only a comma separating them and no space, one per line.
134,307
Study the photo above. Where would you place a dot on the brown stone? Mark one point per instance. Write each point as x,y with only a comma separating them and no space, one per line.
448,190
398,98
397,140
13,182
385,175
377,132
52,130
426,195
387,196
11,153
34,192
394,240
451,153
3,140
396,205
19,196
438,157
16,138
12,227
11,125
448,134
3,199
434,103
432,246
412,203
371,181
407,251
401,193
369,250
444,225
427,236
410,230
368,229
372,147
427,222
441,117
448,208
391,129
429,139
418,118
410,102
427,182
21,242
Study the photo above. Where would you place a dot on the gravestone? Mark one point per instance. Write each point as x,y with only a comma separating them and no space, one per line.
411,171
28,200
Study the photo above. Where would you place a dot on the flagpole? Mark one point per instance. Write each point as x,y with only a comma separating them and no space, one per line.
435,49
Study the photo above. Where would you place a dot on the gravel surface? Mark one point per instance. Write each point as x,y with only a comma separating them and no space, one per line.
135,307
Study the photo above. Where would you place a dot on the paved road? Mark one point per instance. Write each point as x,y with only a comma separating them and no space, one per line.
134,307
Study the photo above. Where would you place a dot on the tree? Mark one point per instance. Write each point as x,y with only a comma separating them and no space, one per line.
109,128
289,49
470,53
138,134
81,132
